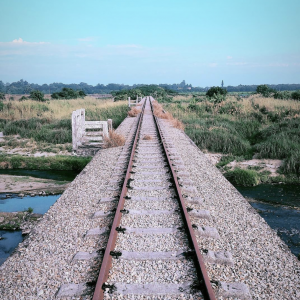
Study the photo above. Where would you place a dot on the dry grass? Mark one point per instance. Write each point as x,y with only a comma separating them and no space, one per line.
177,124
273,104
134,112
53,109
147,137
160,113
113,140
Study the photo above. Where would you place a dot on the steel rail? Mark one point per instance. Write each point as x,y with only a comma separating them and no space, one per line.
205,284
107,258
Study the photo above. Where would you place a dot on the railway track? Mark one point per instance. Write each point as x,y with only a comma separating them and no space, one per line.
152,251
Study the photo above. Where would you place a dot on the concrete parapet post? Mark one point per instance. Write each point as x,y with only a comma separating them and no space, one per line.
109,123
78,119
129,101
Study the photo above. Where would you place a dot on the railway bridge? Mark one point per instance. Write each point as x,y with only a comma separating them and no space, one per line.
152,219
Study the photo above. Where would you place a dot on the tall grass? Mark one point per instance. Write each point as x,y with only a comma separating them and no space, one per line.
51,122
43,163
56,109
267,127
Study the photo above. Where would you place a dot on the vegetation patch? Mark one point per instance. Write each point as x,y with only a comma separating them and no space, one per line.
243,129
242,177
15,221
133,112
58,162
113,140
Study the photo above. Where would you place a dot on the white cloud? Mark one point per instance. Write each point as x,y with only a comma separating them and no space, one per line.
212,65
229,57
21,41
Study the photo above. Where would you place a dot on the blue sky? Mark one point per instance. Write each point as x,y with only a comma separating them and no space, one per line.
114,41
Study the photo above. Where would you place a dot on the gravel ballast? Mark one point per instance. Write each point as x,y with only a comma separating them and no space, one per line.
261,259
43,261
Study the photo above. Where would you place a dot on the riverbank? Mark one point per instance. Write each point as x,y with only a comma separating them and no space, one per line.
30,185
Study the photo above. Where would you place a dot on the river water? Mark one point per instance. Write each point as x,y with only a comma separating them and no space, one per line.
40,205
279,205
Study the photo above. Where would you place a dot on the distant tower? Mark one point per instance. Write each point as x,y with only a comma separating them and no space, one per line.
222,83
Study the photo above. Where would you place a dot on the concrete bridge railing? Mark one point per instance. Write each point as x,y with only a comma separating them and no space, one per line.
88,135
134,102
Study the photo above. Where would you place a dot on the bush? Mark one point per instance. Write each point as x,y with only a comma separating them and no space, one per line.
264,90
68,93
242,177
1,105
215,91
292,163
285,95
23,98
37,95
219,140
296,95
2,96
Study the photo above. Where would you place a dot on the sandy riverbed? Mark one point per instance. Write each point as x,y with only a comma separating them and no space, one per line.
27,184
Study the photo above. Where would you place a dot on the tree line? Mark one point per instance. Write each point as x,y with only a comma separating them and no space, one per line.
24,87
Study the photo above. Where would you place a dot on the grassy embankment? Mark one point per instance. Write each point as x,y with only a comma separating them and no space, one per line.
32,126
242,129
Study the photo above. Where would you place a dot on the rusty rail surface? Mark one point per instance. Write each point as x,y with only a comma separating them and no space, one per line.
205,284
107,258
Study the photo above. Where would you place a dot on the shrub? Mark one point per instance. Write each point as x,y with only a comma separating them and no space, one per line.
285,95
1,105
292,163
37,95
2,96
30,210
215,90
242,177
68,93
264,90
296,95
219,140
23,98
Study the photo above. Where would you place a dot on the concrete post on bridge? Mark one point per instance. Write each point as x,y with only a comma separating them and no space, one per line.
109,125
78,120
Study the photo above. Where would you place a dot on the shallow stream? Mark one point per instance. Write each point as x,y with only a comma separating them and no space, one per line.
40,205
279,205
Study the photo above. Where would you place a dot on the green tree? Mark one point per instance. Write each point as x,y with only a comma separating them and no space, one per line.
264,90
215,90
296,95
2,96
37,96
